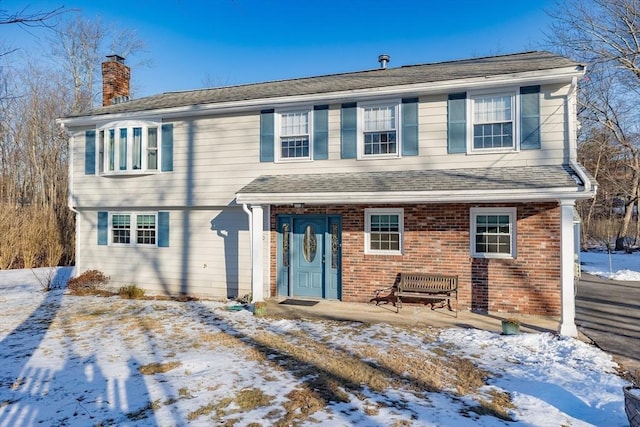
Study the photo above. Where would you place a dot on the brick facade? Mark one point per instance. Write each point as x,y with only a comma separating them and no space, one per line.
436,240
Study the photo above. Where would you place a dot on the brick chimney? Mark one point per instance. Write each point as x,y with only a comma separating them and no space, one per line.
115,80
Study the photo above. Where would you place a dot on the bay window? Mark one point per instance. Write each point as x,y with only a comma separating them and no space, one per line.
128,147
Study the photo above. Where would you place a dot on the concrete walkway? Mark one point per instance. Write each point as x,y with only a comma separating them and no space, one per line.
410,315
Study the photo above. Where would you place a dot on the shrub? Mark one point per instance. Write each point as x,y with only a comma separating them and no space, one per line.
131,292
87,283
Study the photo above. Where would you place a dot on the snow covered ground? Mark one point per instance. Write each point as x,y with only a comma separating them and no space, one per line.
617,266
75,361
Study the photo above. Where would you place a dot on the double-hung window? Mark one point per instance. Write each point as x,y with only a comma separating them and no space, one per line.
384,230
493,121
295,135
133,229
128,147
493,232
379,129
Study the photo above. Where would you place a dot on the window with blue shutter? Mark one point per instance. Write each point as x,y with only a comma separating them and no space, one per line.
103,228
90,152
167,148
349,131
321,132
267,135
457,123
409,132
530,117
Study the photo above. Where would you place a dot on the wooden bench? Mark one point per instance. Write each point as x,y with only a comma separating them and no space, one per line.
437,287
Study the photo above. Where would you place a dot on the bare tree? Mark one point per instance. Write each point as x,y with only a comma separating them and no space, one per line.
605,34
80,47
36,227
27,18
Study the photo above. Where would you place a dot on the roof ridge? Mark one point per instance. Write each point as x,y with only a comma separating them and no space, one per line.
346,73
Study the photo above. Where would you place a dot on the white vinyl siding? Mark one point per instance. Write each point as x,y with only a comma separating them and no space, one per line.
215,156
216,261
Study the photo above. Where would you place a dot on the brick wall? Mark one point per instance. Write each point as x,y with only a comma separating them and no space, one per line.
436,240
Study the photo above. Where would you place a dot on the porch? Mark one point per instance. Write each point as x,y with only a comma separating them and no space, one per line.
409,315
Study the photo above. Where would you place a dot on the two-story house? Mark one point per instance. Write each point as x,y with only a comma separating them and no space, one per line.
329,186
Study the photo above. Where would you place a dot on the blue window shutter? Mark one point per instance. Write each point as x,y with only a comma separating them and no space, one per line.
321,132
90,152
349,131
457,123
103,228
530,117
167,148
163,229
267,135
410,127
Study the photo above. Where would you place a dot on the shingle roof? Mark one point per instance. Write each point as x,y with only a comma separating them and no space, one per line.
425,73
476,179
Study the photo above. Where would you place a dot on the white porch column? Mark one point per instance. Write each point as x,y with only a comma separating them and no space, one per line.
568,300
257,262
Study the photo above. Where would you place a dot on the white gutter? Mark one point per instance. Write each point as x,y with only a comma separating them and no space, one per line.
419,89
572,117
492,196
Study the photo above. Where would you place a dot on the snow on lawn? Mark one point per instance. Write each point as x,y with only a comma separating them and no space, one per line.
75,361
616,265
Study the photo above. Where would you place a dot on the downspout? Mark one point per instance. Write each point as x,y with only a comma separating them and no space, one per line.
572,134
250,215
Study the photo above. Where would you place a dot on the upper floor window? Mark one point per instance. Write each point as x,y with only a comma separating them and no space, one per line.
128,147
295,135
379,135
493,123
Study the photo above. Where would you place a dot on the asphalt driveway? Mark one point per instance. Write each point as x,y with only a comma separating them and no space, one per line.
608,312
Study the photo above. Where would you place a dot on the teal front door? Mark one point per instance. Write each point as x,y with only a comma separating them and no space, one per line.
309,256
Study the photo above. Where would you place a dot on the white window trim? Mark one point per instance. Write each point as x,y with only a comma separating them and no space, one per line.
360,136
513,219
278,136
367,229
103,169
514,92
133,230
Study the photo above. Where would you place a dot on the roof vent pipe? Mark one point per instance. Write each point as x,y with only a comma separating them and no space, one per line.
383,60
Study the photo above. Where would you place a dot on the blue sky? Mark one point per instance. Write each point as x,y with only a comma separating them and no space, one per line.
194,44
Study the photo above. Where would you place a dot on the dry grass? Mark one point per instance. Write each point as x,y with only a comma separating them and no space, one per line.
245,400
328,372
131,292
498,405
158,368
